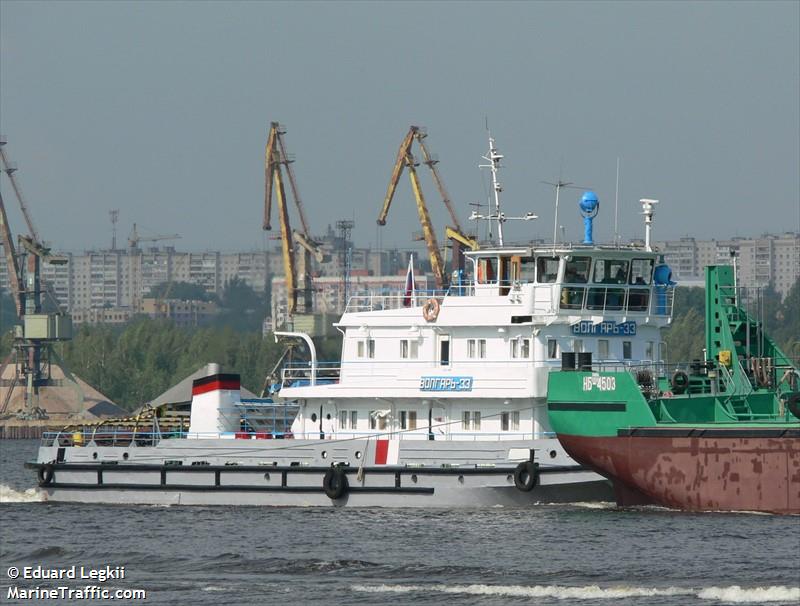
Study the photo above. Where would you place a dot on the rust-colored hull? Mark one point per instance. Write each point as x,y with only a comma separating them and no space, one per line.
697,473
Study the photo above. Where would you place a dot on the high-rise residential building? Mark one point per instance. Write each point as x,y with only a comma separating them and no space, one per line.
770,260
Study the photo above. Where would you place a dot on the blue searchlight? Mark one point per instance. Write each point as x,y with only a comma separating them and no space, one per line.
589,206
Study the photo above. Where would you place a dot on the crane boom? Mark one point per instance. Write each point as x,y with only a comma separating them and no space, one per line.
14,277
9,170
269,160
399,164
289,268
437,266
431,163
292,182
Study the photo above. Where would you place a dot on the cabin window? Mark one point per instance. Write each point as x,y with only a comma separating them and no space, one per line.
471,420
577,270
649,350
627,350
547,269
377,419
408,419
505,421
527,269
520,348
366,348
476,348
515,421
346,417
487,270
577,345
552,349
610,271
444,350
602,349
641,271
409,349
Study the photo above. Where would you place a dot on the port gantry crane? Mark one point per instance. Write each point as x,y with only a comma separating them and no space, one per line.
276,157
405,160
33,341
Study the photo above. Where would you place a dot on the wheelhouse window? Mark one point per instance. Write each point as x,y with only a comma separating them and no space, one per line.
610,271
641,272
577,270
547,269
527,269
487,270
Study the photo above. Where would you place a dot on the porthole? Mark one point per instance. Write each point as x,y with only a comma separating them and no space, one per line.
553,454
125,456
414,478
460,479
358,454
324,454
266,477
313,417
94,455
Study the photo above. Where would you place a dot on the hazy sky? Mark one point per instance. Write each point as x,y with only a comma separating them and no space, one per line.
161,109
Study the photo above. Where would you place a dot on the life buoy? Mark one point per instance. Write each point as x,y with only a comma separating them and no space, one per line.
793,404
45,475
430,311
335,483
679,382
526,476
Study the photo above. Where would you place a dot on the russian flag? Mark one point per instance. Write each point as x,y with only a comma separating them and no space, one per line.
409,282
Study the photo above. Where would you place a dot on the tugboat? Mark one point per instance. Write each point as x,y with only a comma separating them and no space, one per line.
438,400
718,434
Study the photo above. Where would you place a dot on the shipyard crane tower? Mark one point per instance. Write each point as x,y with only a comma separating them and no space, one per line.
298,279
405,160
32,350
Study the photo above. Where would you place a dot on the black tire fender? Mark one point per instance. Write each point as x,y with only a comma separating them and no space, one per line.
526,476
793,404
335,483
45,474
679,382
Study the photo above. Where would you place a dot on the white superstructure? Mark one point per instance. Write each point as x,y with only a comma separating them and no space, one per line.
472,363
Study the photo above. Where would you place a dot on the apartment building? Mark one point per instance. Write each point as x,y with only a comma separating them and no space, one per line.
766,260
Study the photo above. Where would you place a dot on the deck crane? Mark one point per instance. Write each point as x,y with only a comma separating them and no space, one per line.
276,159
405,160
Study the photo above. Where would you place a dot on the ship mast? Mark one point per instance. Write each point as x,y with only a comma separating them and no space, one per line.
494,157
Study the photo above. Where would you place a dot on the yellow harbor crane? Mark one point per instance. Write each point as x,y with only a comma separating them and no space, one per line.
405,160
276,159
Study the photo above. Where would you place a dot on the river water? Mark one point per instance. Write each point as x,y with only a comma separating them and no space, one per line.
551,555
